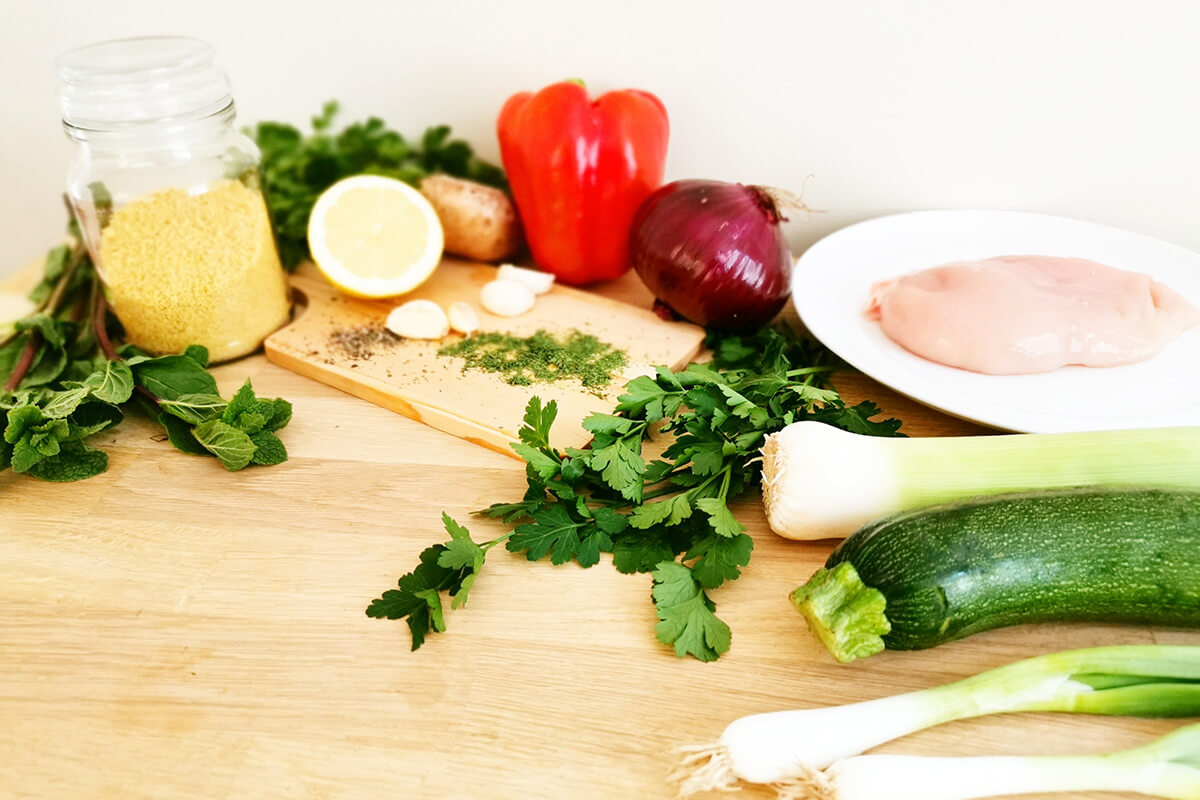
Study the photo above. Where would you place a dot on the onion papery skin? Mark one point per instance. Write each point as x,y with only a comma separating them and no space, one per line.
714,253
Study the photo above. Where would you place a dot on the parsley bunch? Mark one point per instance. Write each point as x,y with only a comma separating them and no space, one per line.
668,516
63,379
297,168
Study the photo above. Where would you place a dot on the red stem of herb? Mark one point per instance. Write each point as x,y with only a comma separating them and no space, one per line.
18,373
100,326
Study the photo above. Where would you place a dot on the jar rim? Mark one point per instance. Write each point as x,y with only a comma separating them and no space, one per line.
126,83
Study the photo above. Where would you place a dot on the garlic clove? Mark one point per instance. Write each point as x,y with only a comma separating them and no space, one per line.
538,282
418,319
506,298
463,318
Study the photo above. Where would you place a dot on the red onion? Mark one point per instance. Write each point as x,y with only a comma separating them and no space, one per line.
713,252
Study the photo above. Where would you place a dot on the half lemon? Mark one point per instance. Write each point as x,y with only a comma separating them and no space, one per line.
374,236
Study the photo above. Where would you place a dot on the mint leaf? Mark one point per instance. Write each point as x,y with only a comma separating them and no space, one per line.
686,618
64,402
74,462
112,384
269,450
243,401
171,377
233,447
197,353
195,408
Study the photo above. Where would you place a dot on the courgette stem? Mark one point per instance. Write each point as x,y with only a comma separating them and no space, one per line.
844,613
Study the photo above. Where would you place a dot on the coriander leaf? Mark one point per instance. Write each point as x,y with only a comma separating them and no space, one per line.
552,531
412,601
607,423
268,449
662,512
718,558
541,464
720,517
857,419
686,618
233,447
538,421
461,552
111,384
641,552
707,457
74,462
621,466
610,521
812,394
591,545
195,408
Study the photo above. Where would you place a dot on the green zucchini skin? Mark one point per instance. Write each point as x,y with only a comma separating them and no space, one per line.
1079,555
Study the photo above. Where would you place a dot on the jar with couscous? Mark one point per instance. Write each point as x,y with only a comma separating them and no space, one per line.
168,197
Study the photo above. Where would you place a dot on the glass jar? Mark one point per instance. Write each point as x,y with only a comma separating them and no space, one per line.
168,197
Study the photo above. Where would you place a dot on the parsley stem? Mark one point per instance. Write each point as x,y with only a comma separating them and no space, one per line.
809,371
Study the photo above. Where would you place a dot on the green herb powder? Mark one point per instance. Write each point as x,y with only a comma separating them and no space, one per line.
541,358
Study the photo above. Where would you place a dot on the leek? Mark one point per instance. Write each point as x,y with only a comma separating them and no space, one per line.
793,746
1169,768
821,482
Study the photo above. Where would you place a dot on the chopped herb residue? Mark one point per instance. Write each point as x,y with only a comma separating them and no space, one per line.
541,358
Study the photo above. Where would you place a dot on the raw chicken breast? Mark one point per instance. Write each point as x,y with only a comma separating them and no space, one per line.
1014,315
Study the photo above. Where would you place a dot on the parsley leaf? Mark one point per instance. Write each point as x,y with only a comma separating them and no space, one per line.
686,618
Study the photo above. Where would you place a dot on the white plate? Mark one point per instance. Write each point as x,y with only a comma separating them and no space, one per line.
832,280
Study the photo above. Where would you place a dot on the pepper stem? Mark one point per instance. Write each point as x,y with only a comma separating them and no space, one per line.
843,612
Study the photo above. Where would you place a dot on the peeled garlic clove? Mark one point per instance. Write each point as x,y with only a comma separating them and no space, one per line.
538,282
418,319
506,298
463,317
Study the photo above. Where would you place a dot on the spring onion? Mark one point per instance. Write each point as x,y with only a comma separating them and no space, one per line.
1169,768
790,747
821,482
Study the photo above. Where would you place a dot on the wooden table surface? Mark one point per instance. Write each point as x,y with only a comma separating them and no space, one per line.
171,630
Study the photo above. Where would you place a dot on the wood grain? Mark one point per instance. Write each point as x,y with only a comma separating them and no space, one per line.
171,630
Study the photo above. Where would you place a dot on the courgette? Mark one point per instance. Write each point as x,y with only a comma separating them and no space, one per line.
917,579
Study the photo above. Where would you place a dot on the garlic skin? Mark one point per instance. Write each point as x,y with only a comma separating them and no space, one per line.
463,318
506,298
418,319
538,282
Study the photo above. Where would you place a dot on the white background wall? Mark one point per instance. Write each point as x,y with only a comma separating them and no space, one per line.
1087,108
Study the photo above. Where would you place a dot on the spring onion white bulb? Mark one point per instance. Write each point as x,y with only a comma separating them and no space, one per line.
1169,768
821,482
793,746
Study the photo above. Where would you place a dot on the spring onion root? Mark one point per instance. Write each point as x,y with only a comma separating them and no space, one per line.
821,482
790,748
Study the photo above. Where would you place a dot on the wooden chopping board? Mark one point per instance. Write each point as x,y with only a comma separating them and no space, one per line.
409,377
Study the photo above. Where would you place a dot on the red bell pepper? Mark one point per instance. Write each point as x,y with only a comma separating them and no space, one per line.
579,168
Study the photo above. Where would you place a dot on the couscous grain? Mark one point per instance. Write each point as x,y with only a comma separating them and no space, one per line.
182,268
